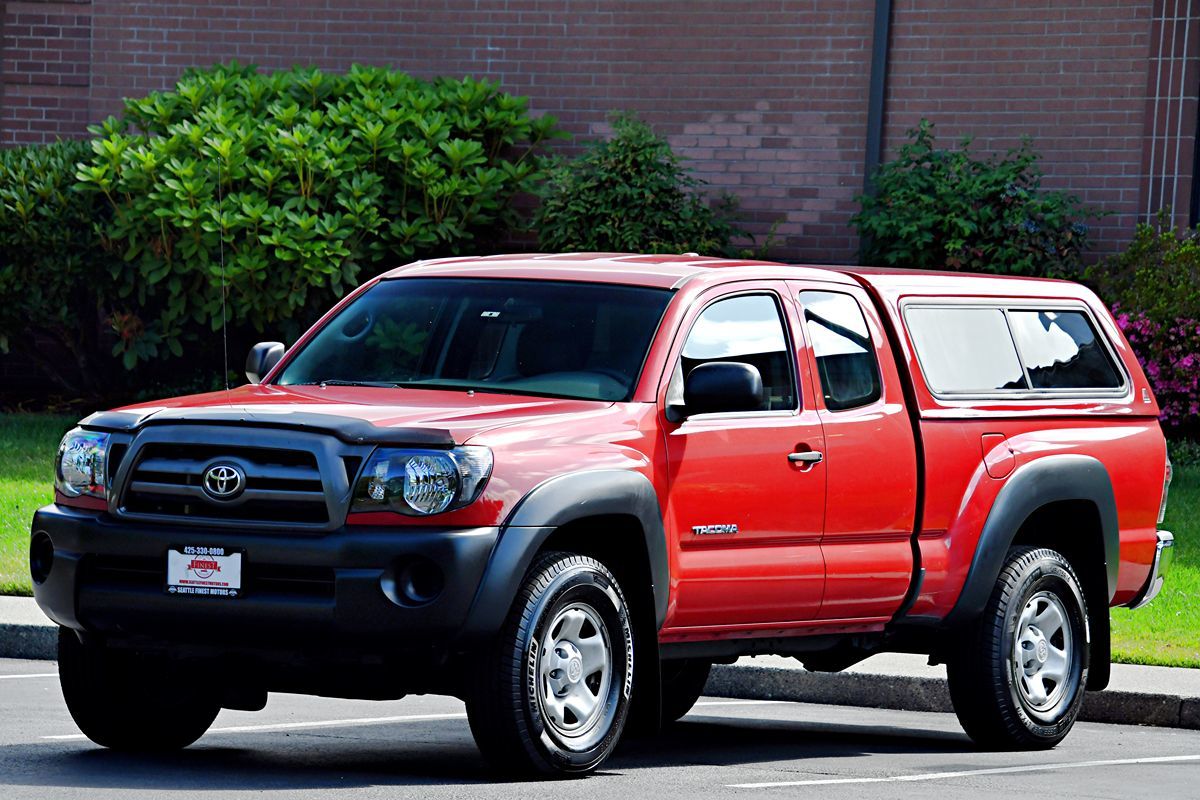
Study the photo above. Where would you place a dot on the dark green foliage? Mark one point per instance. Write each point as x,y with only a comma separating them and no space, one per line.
1184,452
302,184
630,193
948,209
1157,275
54,283
1154,289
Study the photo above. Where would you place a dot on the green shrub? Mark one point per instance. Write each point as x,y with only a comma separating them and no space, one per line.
54,282
630,193
948,209
299,182
1153,287
1157,275
1184,452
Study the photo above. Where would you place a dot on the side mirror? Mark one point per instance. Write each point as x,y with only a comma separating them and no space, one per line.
723,386
262,359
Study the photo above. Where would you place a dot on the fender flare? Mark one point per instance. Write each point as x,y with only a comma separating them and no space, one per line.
1049,479
550,505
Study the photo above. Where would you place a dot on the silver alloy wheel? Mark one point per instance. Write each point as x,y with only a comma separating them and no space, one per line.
1043,656
574,677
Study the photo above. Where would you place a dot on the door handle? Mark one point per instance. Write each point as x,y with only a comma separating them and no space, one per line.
807,457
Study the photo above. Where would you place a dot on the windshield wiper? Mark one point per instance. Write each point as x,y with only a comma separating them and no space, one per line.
453,387
336,382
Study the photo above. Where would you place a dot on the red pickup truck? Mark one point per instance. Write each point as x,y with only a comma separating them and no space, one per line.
561,487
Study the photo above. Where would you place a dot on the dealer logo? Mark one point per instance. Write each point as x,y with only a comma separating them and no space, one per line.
224,481
204,568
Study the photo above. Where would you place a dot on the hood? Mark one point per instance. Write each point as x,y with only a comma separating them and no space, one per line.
353,413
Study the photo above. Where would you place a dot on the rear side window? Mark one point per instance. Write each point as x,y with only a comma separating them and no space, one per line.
981,350
842,345
747,329
1061,350
965,350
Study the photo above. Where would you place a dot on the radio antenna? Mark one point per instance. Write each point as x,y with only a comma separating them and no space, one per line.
221,256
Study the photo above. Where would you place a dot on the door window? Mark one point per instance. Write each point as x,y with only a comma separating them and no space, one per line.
841,342
747,329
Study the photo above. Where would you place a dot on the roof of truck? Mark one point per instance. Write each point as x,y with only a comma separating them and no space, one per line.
672,271
664,271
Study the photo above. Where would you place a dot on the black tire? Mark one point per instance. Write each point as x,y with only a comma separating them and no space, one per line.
683,682
518,707
1017,680
127,702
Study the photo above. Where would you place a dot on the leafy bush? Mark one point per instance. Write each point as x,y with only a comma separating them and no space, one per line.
1158,275
630,193
948,209
285,187
1154,288
54,280
1184,452
1170,355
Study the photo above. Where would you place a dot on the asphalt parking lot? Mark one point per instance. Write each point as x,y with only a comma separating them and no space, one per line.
302,747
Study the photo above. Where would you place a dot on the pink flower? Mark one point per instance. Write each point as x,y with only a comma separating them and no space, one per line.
1170,356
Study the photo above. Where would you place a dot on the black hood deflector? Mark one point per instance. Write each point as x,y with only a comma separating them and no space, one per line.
347,429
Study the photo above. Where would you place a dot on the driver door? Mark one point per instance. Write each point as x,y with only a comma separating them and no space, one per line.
745,510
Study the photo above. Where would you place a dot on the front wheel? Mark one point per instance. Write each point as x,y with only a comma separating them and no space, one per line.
1018,682
126,701
553,694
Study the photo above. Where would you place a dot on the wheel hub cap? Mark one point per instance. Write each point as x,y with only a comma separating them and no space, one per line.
574,676
1043,655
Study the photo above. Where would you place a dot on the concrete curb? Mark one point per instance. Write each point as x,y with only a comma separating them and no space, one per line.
906,693
28,641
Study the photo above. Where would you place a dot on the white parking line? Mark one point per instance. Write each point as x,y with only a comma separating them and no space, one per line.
288,726
699,703
30,675
937,776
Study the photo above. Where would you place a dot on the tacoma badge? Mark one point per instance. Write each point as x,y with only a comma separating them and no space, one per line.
713,530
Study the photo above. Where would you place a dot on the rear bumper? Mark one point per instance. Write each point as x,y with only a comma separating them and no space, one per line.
1164,554
301,591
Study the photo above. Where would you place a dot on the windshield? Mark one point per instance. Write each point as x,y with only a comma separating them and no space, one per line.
577,340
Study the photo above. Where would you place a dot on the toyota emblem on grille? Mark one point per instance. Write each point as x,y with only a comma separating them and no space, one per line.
224,481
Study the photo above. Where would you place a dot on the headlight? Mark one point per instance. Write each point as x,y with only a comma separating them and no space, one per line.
81,468
422,482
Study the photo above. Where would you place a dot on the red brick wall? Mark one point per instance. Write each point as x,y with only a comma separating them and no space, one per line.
1168,135
44,70
1072,74
768,103
768,99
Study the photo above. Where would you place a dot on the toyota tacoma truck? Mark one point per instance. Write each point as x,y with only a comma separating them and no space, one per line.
561,487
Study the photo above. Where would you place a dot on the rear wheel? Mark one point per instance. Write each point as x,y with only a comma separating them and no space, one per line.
1018,682
553,693
682,684
129,702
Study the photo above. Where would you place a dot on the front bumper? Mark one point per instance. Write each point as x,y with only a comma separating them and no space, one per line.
301,591
1164,554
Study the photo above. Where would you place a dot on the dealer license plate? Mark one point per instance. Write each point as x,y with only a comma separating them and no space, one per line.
204,571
